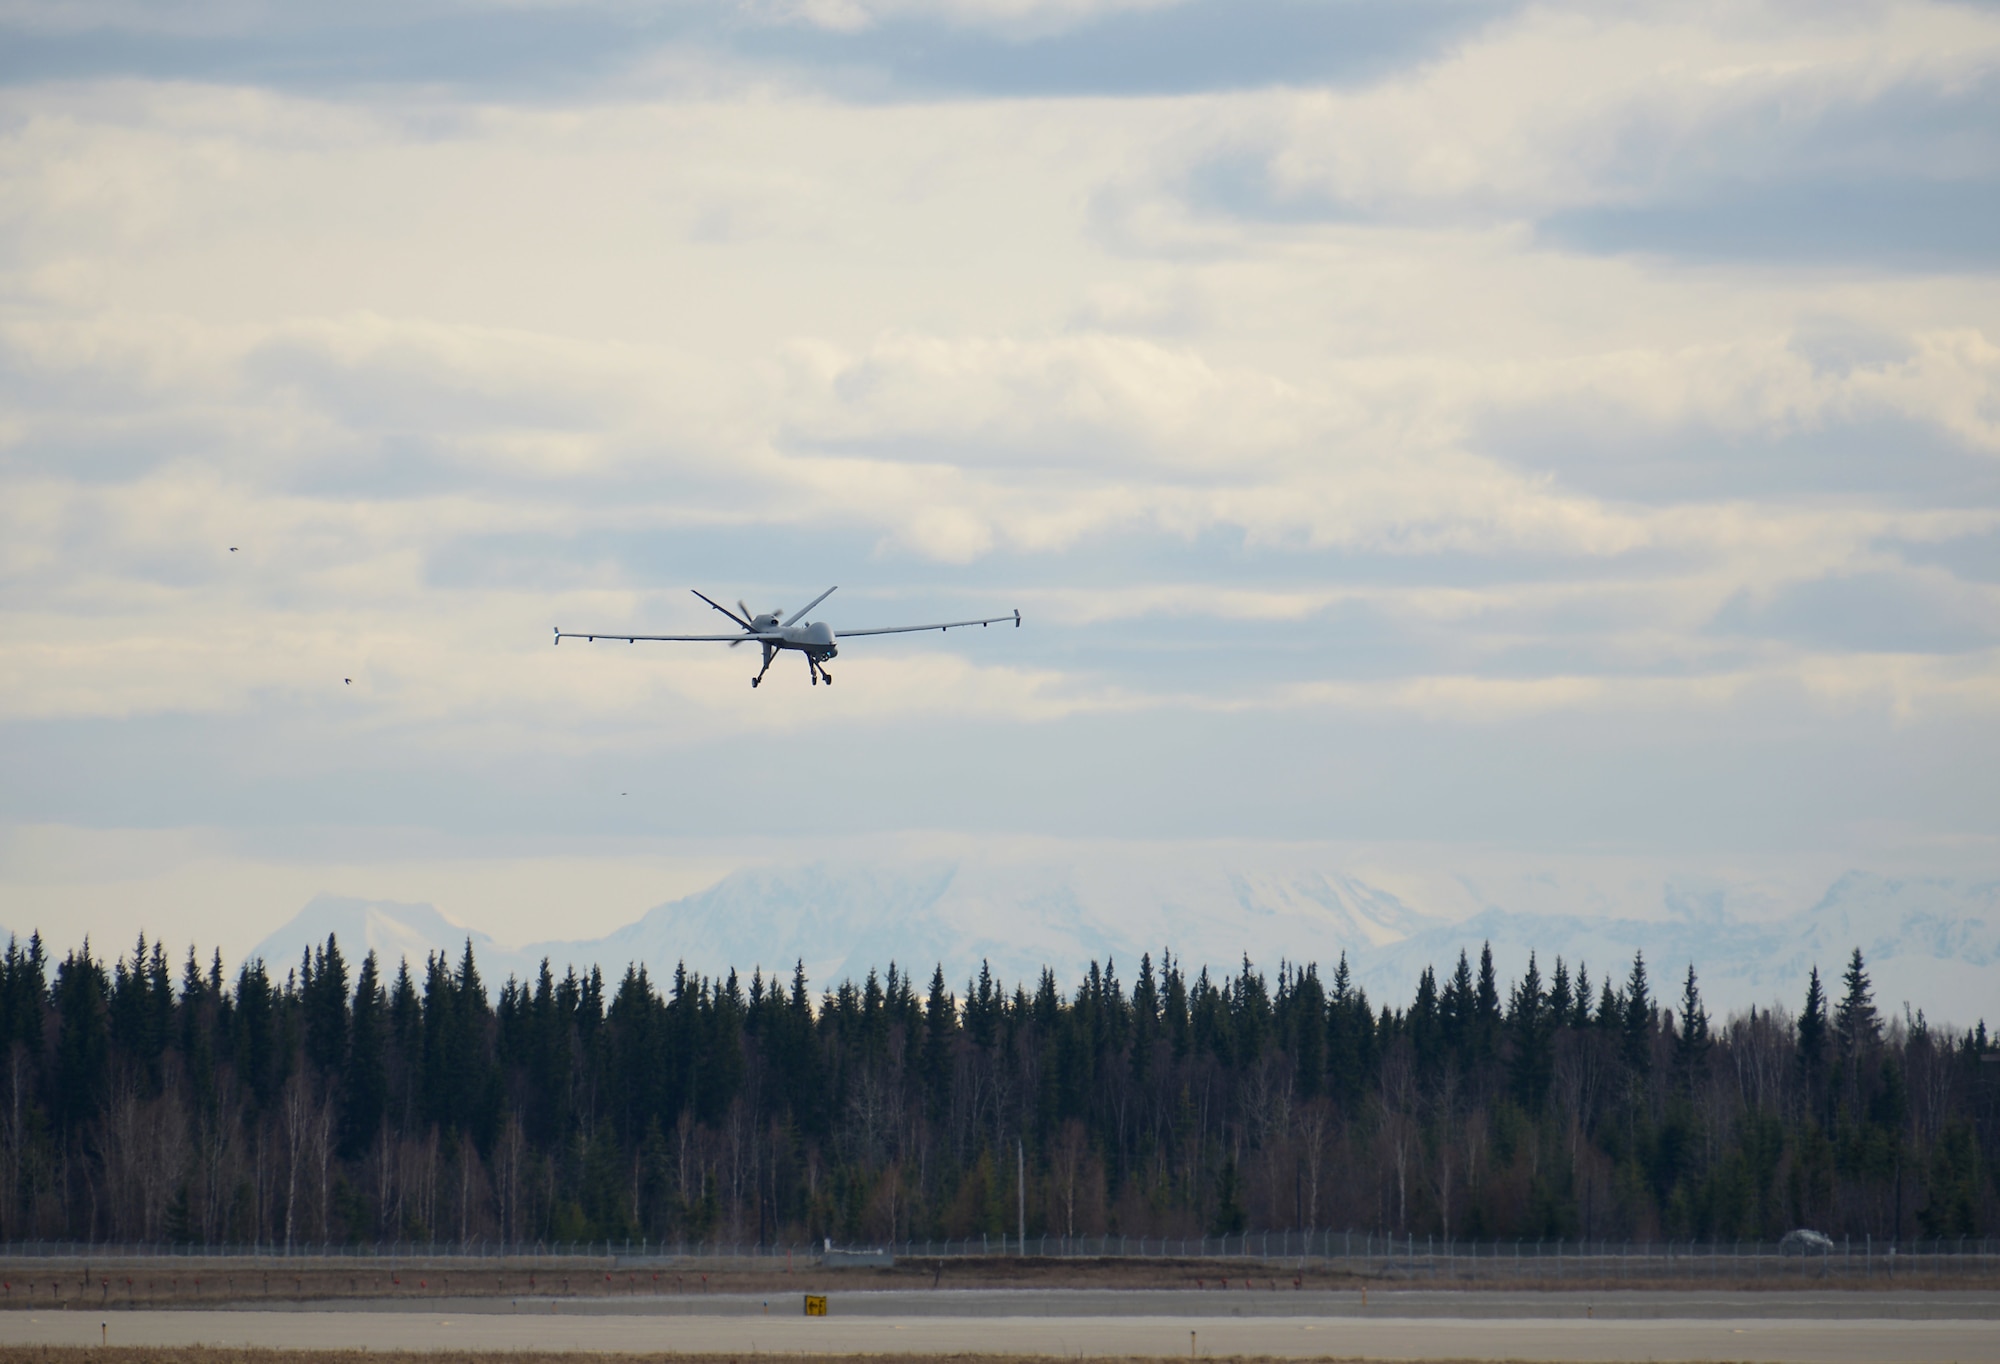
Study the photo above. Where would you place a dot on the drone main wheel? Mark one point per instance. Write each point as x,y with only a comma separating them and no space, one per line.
755,680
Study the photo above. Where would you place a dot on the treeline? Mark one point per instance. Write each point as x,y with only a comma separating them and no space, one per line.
343,1104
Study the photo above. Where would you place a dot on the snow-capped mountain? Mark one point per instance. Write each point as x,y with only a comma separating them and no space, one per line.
1933,942
393,931
1017,912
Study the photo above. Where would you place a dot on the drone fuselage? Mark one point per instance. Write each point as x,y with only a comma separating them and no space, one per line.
812,637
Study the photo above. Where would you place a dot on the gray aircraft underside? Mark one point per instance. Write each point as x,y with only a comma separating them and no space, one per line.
817,640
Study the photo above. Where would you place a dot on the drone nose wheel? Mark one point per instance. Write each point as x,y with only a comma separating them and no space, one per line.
827,675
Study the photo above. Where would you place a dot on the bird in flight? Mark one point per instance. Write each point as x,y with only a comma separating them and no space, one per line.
346,681
817,640
232,549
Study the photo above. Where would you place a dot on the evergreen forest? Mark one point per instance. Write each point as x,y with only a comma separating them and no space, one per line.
354,1102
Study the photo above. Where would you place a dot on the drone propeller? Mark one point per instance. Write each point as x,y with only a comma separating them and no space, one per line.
746,615
743,620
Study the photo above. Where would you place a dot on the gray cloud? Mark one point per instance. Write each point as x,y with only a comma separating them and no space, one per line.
1975,558
1897,179
1893,461
542,52
1893,223
1176,49
529,53
1873,612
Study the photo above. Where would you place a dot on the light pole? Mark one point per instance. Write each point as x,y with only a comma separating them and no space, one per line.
1021,1190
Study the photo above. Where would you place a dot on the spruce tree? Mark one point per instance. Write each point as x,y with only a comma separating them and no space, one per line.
722,1066
1857,1030
160,1000
1530,1024
26,977
83,1047
1485,1037
1426,1027
137,1030
1692,1043
1580,1017
261,1062
365,1087
940,1027
197,1022
1561,1000
874,1044
1812,1027
1457,1010
1636,1031
323,1004
1145,1019
1856,1025
1346,1021
1179,1019
1610,1009
1306,1003
983,1003
406,1035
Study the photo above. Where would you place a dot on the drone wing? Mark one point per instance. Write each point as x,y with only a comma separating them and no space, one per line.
562,635
742,620
749,631
799,614
917,629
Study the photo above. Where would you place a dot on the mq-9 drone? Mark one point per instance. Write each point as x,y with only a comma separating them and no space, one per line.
817,640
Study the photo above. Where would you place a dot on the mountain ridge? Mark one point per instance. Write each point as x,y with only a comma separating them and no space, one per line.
1931,941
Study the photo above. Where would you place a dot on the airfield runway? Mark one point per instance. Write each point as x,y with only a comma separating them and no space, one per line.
1833,1327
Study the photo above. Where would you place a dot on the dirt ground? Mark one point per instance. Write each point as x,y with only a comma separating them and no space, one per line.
156,1282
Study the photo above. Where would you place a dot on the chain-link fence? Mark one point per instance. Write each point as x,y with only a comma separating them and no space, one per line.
1364,1253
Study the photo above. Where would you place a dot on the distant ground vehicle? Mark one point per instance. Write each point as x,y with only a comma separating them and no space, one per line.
1805,1242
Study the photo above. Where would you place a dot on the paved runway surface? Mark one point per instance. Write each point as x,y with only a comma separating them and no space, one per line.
1218,1303
1966,1332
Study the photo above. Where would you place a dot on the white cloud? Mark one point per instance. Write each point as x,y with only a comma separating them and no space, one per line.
451,372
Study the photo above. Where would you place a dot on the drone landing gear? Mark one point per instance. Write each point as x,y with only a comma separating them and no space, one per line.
759,678
819,672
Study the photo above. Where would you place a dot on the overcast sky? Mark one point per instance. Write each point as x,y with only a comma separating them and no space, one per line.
1530,431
